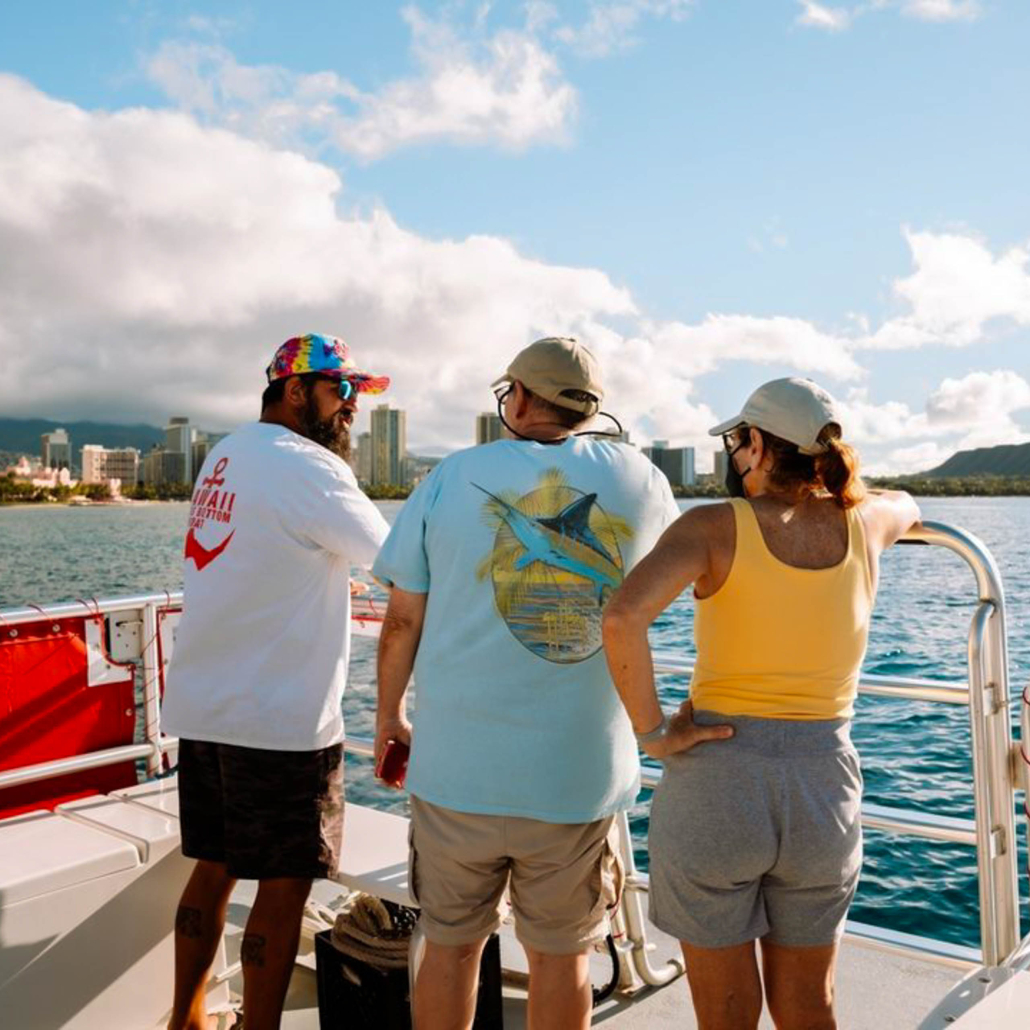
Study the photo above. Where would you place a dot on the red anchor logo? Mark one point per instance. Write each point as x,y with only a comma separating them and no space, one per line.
201,555
216,478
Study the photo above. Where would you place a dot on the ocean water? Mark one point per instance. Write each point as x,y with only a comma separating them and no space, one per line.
914,754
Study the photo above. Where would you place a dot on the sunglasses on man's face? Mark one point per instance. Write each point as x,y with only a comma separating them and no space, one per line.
344,387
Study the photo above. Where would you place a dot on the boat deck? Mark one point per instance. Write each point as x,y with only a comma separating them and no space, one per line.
876,989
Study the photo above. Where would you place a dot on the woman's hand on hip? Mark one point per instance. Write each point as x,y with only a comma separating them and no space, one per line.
683,734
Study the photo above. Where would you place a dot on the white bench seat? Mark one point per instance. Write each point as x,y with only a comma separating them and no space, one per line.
375,844
88,896
375,854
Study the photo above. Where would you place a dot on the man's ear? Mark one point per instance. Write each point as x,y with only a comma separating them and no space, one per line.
522,399
295,392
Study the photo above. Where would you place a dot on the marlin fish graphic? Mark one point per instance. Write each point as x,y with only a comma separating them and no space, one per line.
564,541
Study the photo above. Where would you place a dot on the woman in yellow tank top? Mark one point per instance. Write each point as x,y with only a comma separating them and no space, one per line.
755,835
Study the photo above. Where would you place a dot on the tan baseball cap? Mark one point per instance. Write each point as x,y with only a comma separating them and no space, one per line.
793,409
551,366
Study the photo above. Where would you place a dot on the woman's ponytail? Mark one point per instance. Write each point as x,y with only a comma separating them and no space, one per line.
837,468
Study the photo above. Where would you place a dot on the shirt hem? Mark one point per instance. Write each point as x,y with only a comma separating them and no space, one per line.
263,745
401,584
471,808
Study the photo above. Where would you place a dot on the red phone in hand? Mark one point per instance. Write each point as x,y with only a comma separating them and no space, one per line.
393,764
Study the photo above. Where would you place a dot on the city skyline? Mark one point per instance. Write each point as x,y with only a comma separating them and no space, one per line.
378,459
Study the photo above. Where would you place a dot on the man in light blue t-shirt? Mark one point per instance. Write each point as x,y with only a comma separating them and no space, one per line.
500,565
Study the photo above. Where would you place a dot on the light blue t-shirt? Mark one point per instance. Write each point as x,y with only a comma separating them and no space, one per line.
519,546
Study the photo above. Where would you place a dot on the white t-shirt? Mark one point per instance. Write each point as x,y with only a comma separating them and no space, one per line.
261,653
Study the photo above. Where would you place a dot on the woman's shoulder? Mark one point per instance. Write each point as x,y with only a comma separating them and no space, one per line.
715,521
887,514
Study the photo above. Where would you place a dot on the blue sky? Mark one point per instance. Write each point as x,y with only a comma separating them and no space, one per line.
713,193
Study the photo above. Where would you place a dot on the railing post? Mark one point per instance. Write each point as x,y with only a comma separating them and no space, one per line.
1003,785
991,742
632,913
151,667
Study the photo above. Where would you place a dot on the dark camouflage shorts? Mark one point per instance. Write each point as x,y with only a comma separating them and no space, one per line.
264,814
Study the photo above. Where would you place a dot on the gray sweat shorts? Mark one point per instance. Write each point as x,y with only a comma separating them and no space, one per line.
758,835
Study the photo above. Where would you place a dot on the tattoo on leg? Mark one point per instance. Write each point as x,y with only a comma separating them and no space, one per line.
188,922
252,950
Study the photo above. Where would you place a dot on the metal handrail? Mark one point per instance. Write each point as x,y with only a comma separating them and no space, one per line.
992,830
908,688
79,609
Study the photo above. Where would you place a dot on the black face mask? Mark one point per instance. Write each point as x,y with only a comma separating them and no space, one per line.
735,479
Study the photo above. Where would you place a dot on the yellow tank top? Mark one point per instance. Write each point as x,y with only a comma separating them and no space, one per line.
781,642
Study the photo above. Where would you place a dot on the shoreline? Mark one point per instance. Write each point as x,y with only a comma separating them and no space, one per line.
92,504
44,505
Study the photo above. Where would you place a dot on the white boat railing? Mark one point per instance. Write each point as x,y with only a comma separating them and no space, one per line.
1000,768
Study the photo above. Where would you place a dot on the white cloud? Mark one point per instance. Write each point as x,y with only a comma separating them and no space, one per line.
974,411
837,18
942,10
161,261
472,86
609,26
503,89
695,349
982,404
867,423
958,287
819,16
920,457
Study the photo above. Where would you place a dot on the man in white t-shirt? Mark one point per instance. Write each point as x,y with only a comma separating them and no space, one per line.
258,671
500,565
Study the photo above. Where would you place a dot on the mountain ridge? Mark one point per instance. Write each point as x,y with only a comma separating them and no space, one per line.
1000,460
21,435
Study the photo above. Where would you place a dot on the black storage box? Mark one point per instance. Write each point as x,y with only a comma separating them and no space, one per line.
380,1000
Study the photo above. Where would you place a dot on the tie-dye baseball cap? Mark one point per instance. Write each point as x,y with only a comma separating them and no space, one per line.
327,355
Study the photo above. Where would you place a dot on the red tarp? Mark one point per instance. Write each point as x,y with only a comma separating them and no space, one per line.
48,711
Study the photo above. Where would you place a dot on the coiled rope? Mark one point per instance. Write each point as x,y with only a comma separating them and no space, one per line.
367,930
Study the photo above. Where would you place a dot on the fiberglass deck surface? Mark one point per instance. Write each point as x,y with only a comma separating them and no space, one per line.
876,990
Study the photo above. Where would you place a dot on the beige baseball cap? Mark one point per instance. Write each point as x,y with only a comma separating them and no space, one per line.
551,366
793,409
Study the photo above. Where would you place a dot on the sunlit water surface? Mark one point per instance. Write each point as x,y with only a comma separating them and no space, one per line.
915,755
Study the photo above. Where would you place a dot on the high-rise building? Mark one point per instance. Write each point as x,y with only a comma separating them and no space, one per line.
163,466
57,449
676,462
721,459
678,465
363,458
488,427
201,448
179,440
389,446
102,464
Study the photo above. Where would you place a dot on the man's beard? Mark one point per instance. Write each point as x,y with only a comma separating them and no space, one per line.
332,433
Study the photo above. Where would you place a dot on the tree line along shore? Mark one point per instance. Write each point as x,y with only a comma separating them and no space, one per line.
14,491
918,486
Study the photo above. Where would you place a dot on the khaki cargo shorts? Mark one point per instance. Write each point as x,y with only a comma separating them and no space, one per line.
563,878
